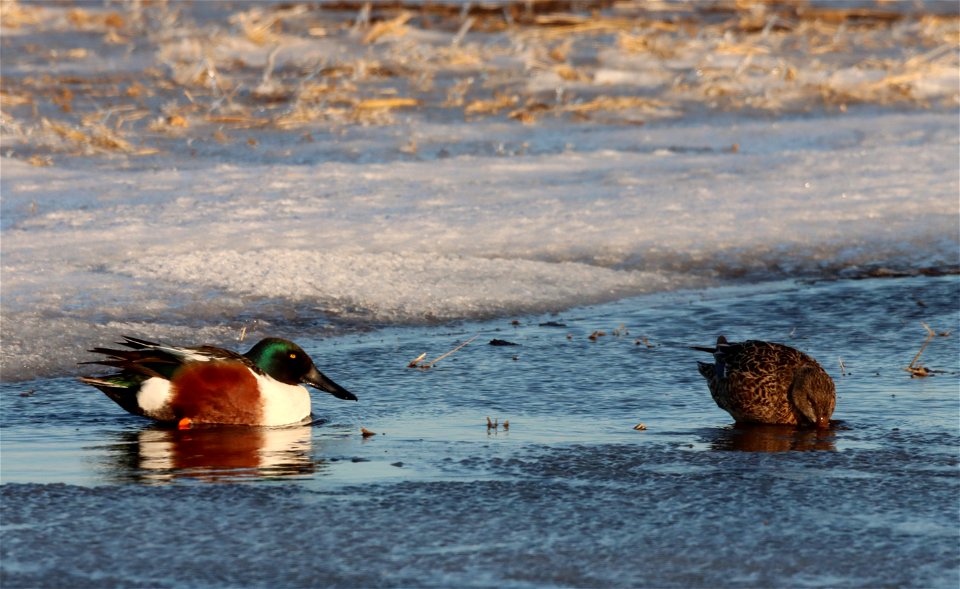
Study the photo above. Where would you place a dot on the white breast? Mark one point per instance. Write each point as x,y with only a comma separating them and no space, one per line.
283,404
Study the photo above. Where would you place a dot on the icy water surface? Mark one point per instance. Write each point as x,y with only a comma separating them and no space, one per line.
569,495
378,182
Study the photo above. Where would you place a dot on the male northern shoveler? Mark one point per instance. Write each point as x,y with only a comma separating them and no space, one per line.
205,384
762,382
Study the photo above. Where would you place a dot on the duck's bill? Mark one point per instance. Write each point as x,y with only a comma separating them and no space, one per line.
316,379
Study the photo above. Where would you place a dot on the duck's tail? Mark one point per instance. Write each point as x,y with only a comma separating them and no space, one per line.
707,371
721,342
118,387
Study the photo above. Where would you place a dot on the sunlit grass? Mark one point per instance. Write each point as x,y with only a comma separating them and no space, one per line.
304,67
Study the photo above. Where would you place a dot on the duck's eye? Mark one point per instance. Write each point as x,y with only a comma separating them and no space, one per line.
293,356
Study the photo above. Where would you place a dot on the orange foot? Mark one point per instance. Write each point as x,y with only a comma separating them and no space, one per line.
185,423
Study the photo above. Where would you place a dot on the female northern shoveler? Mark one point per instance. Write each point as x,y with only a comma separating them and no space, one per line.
762,382
205,384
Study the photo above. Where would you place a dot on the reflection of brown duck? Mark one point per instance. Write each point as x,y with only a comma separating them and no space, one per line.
223,453
761,382
772,438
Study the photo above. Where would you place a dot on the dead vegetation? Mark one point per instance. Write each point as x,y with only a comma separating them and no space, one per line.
494,425
917,370
322,66
419,363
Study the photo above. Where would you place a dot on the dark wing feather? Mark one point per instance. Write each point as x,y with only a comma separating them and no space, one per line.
138,344
149,359
148,363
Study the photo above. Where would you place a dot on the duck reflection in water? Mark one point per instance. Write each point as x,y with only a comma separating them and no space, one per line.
216,453
771,438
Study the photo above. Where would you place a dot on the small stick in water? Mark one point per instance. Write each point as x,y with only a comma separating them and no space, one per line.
915,369
442,356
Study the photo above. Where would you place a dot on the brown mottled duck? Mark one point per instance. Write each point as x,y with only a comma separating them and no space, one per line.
763,382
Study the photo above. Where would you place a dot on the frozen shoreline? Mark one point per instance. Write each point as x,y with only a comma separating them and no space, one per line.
207,251
183,172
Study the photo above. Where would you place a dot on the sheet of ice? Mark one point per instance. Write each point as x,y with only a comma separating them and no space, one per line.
87,254
185,171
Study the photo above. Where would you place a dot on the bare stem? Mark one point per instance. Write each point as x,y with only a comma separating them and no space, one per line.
438,358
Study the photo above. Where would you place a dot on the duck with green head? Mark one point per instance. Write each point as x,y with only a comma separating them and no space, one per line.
206,384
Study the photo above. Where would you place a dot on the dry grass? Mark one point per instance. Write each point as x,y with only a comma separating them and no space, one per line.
622,63
419,363
915,369
14,15
93,138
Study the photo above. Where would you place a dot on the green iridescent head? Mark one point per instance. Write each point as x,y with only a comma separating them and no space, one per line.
286,362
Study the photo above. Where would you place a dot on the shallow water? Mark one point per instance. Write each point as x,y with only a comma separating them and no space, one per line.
569,495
